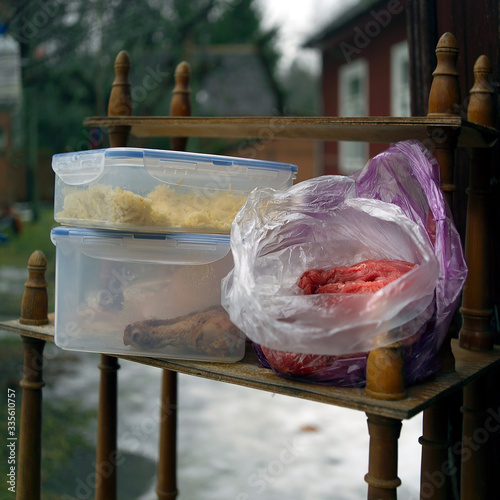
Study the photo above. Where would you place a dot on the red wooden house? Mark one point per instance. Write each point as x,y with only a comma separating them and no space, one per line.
365,73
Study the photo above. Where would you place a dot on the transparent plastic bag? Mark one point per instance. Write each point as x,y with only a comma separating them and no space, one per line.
392,209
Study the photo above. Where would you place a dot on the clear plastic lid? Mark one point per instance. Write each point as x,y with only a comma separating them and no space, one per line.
174,167
162,248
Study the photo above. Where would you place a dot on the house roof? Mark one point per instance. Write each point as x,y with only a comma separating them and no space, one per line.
236,85
347,17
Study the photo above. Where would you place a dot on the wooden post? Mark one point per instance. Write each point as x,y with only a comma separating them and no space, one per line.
30,428
166,489
120,100
34,310
167,464
384,380
476,455
476,307
476,299
444,99
120,104
382,475
106,454
436,469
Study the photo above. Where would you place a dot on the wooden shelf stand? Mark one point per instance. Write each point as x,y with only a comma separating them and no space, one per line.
465,362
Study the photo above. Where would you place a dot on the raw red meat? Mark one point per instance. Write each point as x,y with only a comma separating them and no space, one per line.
293,363
368,276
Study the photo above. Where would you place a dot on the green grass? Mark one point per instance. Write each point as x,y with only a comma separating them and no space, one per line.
35,235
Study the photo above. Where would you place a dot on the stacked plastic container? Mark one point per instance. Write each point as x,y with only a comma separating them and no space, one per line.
143,246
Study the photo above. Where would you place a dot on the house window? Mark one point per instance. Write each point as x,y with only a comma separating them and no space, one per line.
353,101
400,79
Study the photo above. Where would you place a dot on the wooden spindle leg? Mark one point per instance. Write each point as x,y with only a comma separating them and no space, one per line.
107,455
382,477
476,307
476,438
384,380
120,104
120,100
444,99
34,311
30,429
436,469
167,463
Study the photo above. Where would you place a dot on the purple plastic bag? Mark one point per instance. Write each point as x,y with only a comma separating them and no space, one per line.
407,175
393,208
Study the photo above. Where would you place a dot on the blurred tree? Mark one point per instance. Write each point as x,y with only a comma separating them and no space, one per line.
68,48
301,88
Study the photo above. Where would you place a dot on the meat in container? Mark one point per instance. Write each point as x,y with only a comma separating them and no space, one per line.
135,189
155,295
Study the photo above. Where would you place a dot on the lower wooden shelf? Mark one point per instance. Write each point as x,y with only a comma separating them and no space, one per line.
249,373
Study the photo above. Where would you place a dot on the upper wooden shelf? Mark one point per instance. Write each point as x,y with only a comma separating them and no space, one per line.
249,373
381,129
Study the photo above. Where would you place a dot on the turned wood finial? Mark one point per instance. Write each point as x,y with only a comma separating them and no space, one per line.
480,109
444,100
444,96
34,307
120,100
385,373
180,104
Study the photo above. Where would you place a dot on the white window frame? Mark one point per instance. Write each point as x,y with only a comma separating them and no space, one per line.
400,83
353,155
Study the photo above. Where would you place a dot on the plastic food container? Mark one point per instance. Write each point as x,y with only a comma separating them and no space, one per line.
158,191
155,295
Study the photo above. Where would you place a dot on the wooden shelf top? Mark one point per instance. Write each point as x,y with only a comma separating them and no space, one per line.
381,129
250,373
